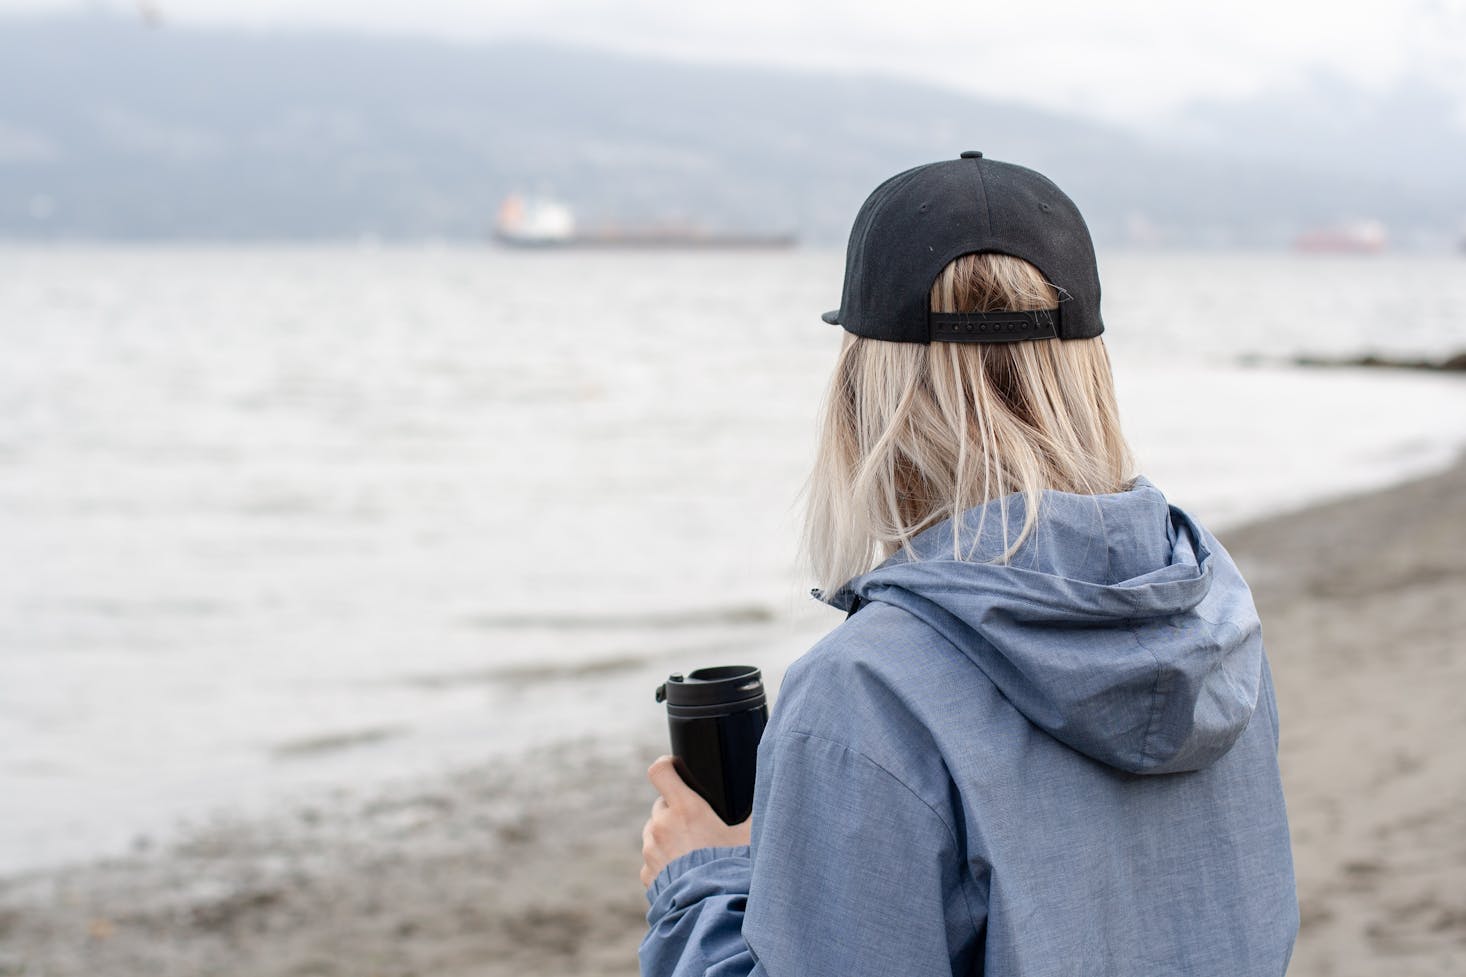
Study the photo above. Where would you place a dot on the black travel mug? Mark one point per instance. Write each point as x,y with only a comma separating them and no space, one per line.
717,716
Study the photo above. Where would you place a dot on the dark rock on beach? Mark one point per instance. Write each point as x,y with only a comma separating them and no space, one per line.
1455,363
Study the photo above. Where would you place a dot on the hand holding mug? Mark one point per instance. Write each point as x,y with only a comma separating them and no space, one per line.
681,822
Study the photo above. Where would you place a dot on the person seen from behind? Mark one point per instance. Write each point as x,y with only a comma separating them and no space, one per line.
1044,738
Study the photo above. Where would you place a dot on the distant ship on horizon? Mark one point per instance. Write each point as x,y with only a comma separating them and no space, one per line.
527,221
1350,237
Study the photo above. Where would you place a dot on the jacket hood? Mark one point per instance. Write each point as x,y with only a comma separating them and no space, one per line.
1121,626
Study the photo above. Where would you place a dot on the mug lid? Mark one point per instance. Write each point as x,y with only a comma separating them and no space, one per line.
719,685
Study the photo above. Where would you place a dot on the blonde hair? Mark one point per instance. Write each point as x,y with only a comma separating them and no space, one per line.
912,434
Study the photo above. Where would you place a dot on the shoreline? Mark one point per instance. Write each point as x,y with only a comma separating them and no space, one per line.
531,867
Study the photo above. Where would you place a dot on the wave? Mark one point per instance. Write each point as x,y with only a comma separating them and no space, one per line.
732,614
540,672
333,742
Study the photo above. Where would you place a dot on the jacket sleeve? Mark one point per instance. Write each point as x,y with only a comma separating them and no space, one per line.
849,873
695,924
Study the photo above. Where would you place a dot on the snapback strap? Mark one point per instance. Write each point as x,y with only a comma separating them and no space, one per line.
993,327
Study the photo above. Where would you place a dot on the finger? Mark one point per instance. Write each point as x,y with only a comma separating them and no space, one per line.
664,777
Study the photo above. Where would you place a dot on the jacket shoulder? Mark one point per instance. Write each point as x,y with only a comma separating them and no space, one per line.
868,683
878,640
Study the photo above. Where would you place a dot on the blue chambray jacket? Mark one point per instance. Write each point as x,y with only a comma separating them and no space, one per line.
1066,765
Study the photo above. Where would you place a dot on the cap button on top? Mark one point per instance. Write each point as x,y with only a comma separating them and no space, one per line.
971,154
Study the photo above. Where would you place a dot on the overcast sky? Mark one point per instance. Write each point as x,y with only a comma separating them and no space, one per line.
1130,60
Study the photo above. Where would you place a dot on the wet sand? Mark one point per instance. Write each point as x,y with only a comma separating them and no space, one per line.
1363,604
533,870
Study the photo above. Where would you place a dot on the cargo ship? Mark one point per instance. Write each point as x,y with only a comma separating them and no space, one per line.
1353,237
541,222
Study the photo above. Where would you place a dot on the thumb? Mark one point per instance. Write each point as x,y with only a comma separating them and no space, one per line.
664,777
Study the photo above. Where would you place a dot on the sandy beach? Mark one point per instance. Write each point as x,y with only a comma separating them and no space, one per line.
533,870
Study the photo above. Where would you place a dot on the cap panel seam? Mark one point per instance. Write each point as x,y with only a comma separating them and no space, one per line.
981,186
987,204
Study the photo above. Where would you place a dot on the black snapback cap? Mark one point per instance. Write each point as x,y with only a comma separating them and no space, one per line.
917,221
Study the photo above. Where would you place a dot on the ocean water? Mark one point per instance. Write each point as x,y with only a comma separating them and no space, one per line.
283,521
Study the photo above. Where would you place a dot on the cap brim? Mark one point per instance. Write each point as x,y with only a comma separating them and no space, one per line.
832,317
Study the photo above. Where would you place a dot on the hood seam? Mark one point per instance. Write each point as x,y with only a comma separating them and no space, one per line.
1157,697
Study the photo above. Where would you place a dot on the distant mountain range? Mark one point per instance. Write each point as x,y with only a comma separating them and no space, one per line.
113,129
